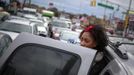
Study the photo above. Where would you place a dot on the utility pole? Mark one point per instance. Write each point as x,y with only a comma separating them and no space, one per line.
104,17
127,19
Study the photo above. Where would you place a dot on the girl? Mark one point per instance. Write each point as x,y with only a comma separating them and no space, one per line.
94,37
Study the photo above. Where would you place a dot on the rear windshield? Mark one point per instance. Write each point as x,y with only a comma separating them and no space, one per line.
41,60
60,24
14,27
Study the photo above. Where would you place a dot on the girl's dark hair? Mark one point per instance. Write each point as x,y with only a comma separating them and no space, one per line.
99,35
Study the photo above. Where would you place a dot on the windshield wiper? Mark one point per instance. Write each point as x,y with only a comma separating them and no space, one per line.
120,53
121,43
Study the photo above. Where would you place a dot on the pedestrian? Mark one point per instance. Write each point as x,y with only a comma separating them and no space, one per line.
3,14
14,6
53,9
73,28
94,37
84,22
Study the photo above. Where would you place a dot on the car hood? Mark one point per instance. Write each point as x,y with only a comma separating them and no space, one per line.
13,35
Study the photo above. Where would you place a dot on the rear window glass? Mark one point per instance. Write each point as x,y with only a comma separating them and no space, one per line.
33,59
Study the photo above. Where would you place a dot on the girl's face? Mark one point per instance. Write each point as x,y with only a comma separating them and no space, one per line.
86,40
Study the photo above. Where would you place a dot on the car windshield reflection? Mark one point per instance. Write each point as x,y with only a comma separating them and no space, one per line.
13,27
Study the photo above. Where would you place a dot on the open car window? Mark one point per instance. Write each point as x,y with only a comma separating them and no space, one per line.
31,59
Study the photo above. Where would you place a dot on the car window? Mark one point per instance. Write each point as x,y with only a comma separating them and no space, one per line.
60,24
33,59
2,46
4,43
14,27
28,12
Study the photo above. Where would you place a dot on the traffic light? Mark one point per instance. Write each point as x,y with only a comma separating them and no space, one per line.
93,3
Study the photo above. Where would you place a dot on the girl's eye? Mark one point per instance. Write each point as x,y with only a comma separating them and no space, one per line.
86,40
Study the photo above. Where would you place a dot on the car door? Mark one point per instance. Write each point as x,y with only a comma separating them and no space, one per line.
34,55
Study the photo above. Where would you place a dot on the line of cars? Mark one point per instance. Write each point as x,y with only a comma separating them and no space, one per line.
15,26
26,20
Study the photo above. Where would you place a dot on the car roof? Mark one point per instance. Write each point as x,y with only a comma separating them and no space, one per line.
58,20
36,20
86,54
22,22
17,17
29,9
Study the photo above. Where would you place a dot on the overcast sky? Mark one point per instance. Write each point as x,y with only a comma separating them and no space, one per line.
83,6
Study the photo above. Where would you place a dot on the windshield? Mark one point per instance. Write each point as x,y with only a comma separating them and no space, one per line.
60,24
14,27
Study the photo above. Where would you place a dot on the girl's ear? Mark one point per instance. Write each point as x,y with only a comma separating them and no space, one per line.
94,44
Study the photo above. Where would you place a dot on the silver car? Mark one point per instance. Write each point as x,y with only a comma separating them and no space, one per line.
35,55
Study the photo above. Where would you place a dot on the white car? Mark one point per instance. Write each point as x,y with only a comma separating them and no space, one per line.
35,55
58,26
